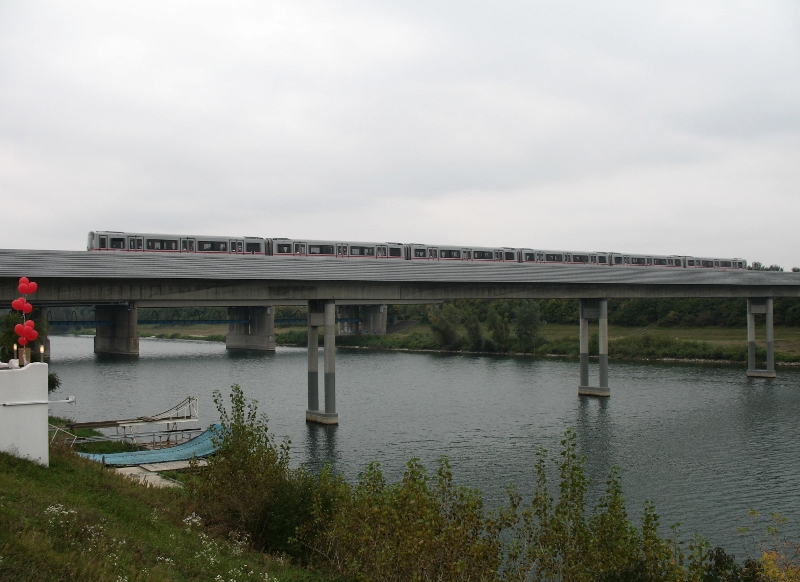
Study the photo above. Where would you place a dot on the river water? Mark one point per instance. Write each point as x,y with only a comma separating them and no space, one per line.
703,443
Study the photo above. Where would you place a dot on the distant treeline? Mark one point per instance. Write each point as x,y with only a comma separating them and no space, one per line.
624,312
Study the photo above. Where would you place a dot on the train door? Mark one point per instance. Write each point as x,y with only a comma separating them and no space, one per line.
135,243
381,252
187,245
300,249
466,255
433,254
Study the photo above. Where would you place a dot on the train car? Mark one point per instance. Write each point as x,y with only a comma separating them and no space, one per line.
171,243
284,247
714,263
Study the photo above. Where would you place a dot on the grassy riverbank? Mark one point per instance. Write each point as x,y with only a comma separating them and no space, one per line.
78,521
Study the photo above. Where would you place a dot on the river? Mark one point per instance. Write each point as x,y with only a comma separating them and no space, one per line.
704,443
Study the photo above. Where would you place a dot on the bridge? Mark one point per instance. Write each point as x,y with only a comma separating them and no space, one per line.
119,284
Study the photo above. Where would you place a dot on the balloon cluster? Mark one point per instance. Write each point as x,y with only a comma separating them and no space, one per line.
25,330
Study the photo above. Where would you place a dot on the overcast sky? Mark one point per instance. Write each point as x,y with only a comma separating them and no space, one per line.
663,127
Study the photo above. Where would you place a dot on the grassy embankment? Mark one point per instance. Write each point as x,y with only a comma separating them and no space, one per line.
78,521
724,344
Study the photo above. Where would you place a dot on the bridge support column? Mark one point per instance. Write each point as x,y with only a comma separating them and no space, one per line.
322,313
757,305
351,314
594,309
373,319
119,338
257,335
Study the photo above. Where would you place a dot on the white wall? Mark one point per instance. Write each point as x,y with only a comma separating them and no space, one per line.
23,429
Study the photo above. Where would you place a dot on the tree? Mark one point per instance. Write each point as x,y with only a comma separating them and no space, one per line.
474,335
795,269
756,266
444,321
528,322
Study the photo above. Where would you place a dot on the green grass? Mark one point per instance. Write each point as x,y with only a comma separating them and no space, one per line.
78,521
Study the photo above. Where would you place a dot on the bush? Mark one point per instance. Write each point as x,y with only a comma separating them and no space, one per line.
248,486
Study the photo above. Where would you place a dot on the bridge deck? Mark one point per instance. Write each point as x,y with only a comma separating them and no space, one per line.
153,278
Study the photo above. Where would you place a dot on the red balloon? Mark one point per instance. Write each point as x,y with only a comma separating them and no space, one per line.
27,308
23,280
23,288
16,305
33,334
32,287
22,341
30,323
19,329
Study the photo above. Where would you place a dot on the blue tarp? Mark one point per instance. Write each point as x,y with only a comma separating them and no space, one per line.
200,446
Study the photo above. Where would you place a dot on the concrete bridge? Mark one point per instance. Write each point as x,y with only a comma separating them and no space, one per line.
250,285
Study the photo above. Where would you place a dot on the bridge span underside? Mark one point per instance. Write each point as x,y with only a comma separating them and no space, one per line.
249,285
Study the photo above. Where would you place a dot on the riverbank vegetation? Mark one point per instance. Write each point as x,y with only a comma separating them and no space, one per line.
248,514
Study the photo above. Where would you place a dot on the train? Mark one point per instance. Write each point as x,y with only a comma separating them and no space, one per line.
340,249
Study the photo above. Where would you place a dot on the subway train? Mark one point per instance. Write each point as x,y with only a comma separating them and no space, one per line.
285,247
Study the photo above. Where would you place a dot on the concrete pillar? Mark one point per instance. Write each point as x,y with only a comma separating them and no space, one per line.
751,336
770,338
313,368
330,357
584,352
322,313
256,335
116,330
603,346
594,309
757,305
373,319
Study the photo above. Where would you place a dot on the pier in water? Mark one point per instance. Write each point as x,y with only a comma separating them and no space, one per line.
704,443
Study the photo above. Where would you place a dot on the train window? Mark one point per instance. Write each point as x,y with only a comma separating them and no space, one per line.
554,258
580,258
727,264
602,259
450,254
211,246
281,249
395,252
617,260
103,242
690,263
740,265
320,249
117,243
509,256
706,263
483,255
662,262
638,261
419,253
362,251
530,257
253,248
154,244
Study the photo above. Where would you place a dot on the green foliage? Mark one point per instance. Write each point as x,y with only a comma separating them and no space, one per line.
474,333
418,529
527,325
53,382
248,485
444,322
